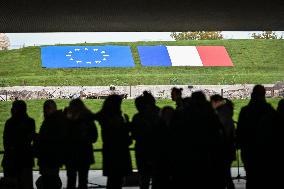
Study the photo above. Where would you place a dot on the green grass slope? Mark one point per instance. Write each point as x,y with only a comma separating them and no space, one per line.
256,61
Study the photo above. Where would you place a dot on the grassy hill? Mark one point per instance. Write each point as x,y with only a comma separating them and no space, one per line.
256,61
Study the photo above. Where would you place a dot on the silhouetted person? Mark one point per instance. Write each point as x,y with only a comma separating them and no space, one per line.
176,95
143,125
280,108
163,163
198,140
116,141
81,134
216,101
253,136
270,143
279,137
51,145
280,115
225,111
19,132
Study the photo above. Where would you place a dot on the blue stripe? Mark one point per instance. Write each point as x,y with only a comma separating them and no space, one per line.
86,56
154,56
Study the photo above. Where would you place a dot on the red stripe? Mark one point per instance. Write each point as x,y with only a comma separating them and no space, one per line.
214,56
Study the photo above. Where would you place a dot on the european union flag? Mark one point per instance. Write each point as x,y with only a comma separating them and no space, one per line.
86,56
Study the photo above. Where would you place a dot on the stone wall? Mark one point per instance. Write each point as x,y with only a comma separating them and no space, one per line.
130,92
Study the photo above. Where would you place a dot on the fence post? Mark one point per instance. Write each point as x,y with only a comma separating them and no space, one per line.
222,91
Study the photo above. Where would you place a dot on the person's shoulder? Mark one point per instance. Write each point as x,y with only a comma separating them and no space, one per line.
57,115
29,119
138,117
245,108
145,115
99,116
59,112
138,114
157,109
89,115
222,110
270,111
269,106
9,121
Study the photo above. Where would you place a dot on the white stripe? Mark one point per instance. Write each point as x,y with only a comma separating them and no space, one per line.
184,56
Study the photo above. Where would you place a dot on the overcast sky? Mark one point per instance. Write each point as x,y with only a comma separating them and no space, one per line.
17,40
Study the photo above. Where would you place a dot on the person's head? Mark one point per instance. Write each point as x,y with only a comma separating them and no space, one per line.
176,93
216,100
280,107
167,114
258,93
77,108
198,97
112,104
149,99
49,107
140,103
19,108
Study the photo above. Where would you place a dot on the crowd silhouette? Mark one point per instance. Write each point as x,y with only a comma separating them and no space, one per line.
191,146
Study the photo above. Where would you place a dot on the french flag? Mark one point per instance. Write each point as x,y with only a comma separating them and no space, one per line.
184,56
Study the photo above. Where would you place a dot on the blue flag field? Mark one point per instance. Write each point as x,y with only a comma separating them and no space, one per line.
86,56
